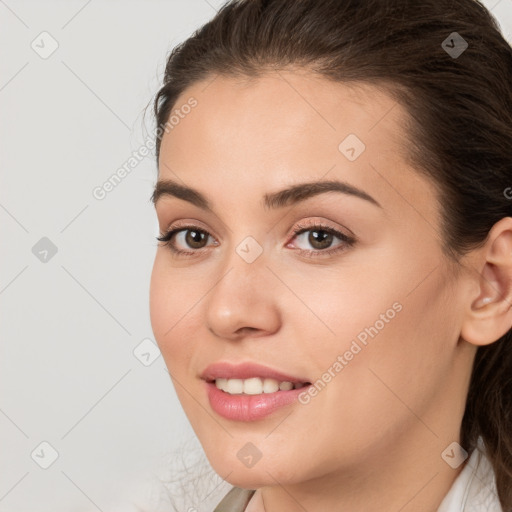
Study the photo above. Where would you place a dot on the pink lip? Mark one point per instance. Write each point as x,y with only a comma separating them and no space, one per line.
225,370
247,407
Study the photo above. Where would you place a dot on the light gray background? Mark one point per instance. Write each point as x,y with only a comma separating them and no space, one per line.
68,373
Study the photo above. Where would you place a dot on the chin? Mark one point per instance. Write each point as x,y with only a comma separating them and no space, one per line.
257,477
264,472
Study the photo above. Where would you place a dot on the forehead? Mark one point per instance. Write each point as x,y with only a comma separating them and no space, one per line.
264,133
286,106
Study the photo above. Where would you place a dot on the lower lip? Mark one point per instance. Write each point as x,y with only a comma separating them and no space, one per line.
249,407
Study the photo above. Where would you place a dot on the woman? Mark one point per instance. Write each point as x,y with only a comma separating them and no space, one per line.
332,293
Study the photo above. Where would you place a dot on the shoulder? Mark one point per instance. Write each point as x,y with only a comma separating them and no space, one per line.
236,500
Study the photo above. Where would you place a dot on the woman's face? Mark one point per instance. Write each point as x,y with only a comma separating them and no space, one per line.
369,318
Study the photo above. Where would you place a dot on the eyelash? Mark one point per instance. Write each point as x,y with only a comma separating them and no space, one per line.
348,241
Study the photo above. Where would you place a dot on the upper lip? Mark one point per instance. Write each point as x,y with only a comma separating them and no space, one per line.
246,370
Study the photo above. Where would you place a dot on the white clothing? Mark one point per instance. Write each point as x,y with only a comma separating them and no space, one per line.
474,490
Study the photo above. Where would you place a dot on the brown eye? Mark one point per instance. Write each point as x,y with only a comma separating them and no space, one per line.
320,239
191,240
195,238
185,240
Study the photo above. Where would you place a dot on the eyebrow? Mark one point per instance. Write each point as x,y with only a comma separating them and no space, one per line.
274,200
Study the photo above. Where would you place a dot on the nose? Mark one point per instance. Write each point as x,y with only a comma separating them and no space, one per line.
244,300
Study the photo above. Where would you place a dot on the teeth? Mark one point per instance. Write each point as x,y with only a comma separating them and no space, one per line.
270,386
234,386
254,386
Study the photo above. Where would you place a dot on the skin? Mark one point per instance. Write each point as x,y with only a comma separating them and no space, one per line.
372,439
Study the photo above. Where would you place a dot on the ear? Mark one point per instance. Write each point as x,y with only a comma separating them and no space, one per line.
489,313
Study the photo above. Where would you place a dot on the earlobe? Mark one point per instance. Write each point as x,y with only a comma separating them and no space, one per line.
489,315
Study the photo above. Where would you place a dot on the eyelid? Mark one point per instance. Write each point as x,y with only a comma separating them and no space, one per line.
326,224
189,224
309,222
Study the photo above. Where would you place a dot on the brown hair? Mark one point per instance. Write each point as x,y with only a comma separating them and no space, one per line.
460,132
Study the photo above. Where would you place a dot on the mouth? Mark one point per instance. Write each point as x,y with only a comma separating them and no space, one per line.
249,391
255,385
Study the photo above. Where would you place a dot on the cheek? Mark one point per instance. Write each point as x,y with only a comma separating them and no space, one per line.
338,308
170,302
395,353
159,299
395,319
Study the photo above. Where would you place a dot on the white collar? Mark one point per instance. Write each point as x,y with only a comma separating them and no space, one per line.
474,490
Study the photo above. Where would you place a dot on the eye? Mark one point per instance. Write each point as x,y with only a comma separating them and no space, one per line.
321,237
188,236
192,240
